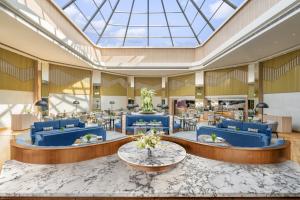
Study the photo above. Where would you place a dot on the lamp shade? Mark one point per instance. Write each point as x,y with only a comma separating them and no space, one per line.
262,105
41,103
76,102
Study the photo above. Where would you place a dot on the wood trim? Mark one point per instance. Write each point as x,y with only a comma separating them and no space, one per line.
235,154
38,155
61,155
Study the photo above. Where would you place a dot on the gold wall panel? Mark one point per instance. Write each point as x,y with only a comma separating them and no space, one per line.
199,93
231,81
282,74
16,72
182,85
147,82
113,85
66,80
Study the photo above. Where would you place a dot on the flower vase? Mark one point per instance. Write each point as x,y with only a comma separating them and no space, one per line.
149,152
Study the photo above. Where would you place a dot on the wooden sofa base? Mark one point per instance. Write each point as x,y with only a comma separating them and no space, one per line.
60,155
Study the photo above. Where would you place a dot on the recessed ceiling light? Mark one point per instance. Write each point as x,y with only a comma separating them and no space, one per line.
293,34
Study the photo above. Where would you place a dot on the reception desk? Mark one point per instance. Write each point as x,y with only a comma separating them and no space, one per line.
22,121
284,122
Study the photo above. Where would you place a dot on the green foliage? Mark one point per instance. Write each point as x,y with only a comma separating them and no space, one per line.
148,141
147,96
88,137
213,137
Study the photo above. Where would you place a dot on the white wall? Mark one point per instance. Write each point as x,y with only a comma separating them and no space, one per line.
14,102
284,104
120,102
156,100
59,103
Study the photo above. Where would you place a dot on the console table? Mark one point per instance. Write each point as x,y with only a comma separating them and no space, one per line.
22,121
164,157
284,122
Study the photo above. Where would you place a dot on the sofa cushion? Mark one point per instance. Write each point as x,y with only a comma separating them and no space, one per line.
50,128
64,123
231,123
259,126
70,126
254,130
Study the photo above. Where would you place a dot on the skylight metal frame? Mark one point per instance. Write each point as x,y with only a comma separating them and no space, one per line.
195,39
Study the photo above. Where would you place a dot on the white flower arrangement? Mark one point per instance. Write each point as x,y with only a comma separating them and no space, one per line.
148,141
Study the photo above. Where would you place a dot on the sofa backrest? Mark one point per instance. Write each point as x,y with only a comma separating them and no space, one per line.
259,126
130,119
226,123
38,126
63,123
244,126
236,138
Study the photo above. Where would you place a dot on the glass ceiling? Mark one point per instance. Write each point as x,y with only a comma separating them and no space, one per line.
149,23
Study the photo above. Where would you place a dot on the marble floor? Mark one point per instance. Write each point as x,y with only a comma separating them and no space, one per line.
109,176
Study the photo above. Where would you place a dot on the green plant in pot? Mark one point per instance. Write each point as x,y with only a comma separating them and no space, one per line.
88,137
213,137
147,96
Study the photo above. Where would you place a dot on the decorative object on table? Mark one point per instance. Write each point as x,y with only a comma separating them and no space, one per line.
88,138
76,103
213,137
146,97
148,142
262,105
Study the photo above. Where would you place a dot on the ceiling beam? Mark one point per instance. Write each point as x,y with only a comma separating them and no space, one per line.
162,2
68,4
187,20
228,2
133,1
94,15
111,14
148,19
202,15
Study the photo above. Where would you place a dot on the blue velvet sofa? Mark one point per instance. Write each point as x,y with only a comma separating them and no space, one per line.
61,135
131,119
239,133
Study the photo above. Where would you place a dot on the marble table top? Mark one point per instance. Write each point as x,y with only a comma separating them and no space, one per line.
110,177
165,154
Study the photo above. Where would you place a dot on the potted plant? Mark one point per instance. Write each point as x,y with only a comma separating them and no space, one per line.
213,137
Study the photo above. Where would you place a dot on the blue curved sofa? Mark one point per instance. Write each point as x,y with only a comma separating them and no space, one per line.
242,136
131,119
61,135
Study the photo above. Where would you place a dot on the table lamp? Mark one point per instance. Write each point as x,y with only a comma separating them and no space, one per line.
262,105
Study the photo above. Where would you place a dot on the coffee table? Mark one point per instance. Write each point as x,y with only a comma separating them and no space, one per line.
164,157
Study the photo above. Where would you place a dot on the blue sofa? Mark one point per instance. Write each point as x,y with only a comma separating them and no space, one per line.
240,136
61,135
131,119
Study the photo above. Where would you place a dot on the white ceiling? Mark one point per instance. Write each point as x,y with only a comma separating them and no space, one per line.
280,38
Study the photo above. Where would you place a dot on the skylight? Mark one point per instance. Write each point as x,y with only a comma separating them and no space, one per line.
149,23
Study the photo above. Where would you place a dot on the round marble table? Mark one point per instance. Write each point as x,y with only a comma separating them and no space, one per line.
164,157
